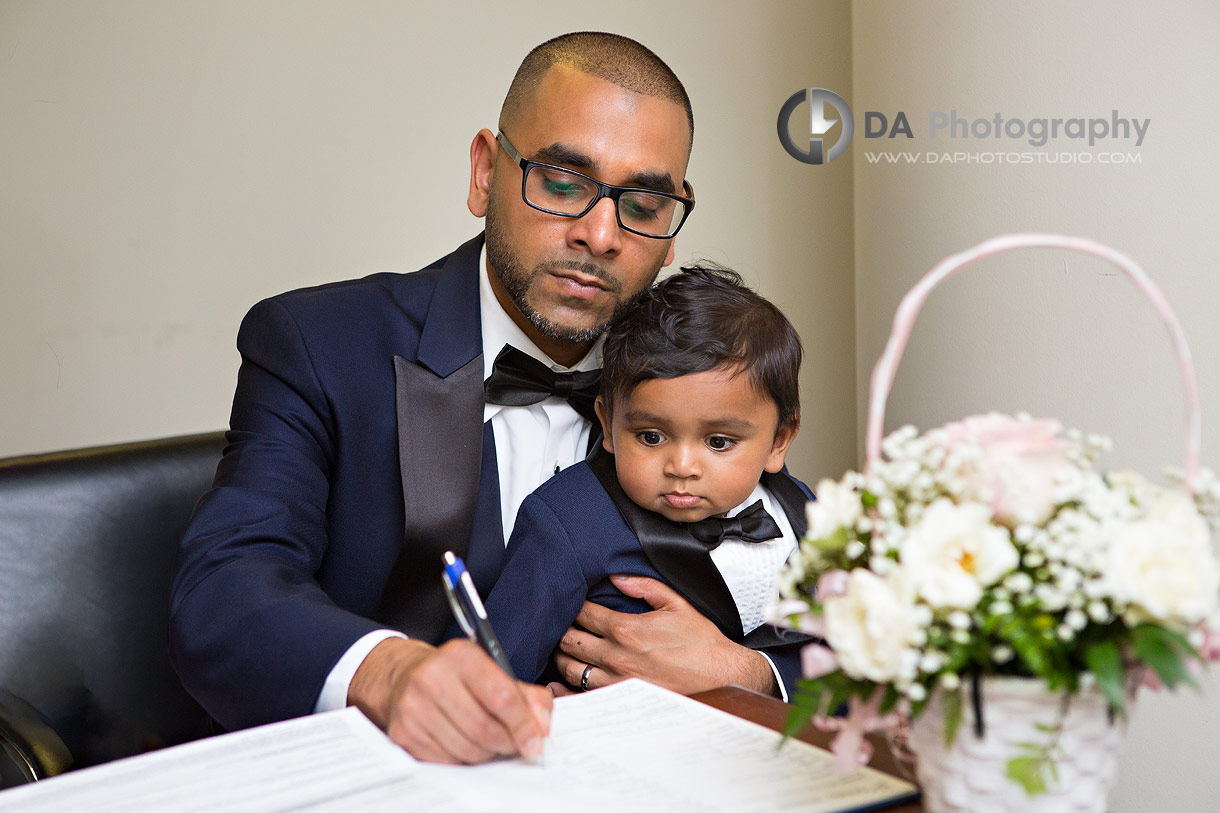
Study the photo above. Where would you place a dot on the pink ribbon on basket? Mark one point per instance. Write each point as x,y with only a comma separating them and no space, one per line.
908,309
849,745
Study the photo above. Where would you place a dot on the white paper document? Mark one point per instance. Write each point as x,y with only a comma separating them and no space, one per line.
631,746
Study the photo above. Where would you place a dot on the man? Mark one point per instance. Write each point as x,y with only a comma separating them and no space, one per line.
362,446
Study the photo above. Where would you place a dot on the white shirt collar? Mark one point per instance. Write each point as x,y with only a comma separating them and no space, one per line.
499,329
759,493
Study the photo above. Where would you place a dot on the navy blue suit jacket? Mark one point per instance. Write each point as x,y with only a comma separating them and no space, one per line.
354,400
578,529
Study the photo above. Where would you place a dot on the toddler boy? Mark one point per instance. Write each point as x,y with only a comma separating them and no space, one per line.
699,404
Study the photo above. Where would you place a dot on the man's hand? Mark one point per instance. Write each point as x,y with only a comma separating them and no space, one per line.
674,646
450,703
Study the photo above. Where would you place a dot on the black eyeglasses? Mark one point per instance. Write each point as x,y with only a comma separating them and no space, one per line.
566,193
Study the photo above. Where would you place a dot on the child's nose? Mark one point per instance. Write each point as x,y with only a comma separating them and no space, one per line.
683,461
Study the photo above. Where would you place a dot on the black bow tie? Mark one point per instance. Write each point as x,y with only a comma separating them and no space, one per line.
752,525
518,379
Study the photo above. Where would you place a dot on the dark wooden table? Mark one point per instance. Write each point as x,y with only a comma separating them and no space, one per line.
773,714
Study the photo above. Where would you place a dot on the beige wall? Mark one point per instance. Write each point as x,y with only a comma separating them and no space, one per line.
165,165
1046,332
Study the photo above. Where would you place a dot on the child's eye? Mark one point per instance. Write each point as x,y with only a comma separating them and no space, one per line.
720,444
649,438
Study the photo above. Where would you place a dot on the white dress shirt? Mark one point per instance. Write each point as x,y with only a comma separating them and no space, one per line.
749,568
536,441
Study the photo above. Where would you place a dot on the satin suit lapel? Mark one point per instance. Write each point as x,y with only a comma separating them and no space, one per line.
679,557
444,452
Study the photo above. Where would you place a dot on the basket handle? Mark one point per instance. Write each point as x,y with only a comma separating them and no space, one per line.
908,309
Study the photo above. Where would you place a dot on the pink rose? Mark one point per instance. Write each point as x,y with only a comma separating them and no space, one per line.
831,583
818,660
1022,460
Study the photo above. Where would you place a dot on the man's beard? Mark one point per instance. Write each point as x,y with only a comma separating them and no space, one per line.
517,281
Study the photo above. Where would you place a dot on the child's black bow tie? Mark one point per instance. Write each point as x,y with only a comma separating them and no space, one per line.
753,525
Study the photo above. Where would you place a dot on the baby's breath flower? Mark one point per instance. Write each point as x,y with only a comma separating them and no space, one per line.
959,619
854,549
931,662
960,636
1065,632
1050,597
1099,612
882,565
1002,653
1076,620
1019,583
1001,608
950,681
916,692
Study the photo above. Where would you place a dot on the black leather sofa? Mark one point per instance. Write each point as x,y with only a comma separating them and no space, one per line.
88,541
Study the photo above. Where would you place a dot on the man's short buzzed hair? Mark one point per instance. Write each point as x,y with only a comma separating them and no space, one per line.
614,58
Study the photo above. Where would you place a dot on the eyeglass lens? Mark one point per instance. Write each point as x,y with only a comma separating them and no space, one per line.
568,193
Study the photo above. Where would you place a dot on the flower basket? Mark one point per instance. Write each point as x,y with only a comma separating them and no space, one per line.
1024,719
989,585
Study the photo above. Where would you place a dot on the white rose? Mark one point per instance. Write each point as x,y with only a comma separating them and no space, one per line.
870,626
1163,564
837,506
953,552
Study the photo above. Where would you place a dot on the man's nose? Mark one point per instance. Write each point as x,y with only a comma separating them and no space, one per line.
597,231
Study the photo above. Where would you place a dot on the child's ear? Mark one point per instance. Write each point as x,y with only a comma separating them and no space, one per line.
603,415
779,449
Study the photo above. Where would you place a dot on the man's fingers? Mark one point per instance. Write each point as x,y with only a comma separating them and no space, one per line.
658,594
532,728
418,743
459,706
504,707
442,701
583,646
559,689
573,671
426,731
596,619
436,727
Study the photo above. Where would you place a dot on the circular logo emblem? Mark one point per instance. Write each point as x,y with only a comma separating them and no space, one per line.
819,125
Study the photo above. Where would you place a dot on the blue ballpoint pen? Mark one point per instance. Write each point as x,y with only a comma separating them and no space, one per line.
472,616
468,609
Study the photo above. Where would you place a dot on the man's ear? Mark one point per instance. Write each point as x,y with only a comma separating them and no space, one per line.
779,449
483,152
603,415
669,255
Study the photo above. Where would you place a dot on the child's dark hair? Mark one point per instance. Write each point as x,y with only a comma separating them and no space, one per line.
698,320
